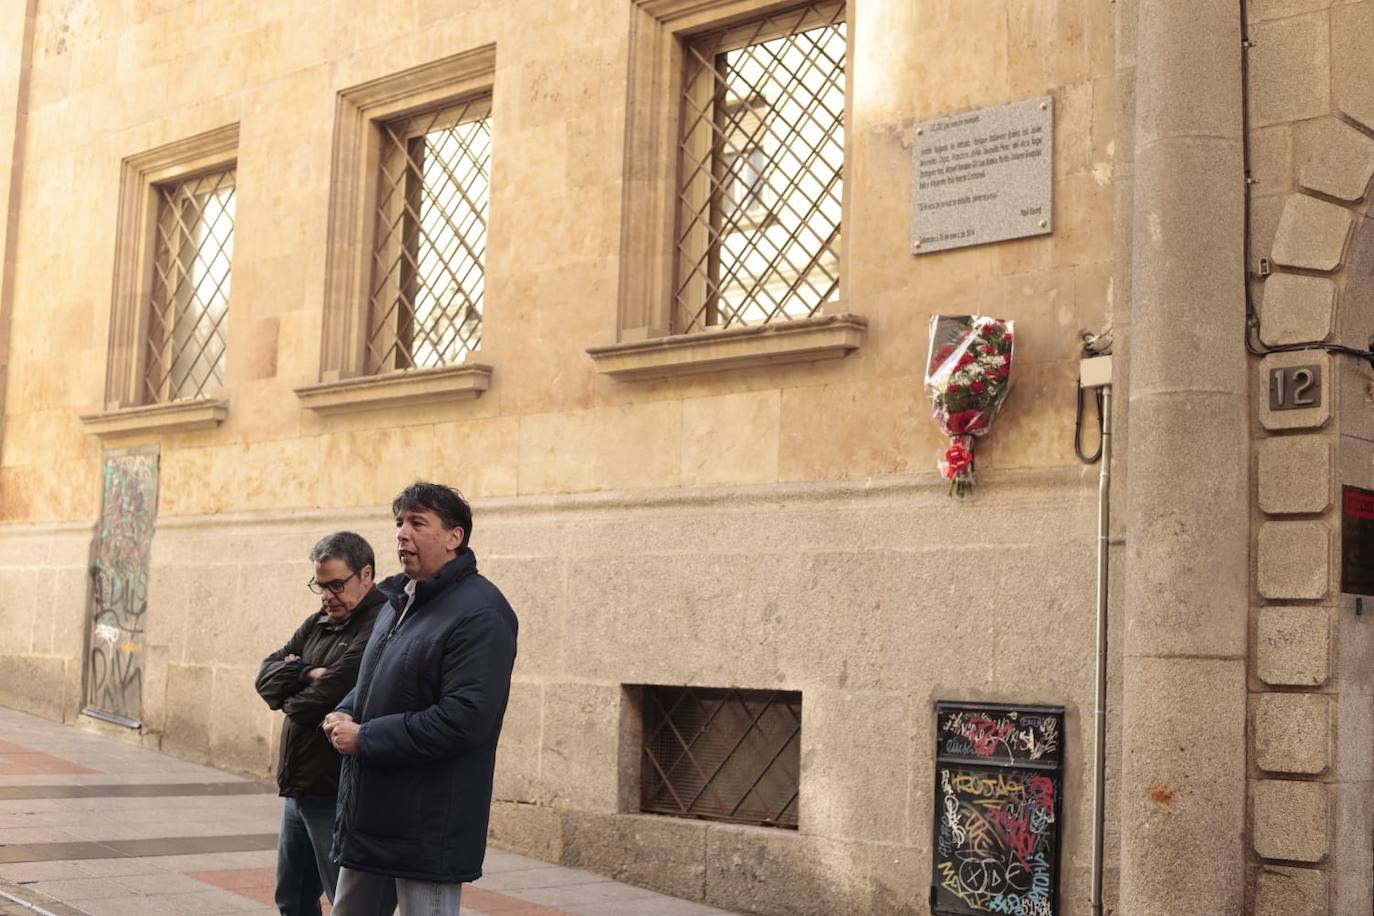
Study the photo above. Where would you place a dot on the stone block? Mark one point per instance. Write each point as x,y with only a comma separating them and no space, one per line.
1293,646
1261,10
1294,559
667,854
1290,820
731,439
1290,892
1352,68
33,684
1188,490
1355,317
1297,309
1292,732
240,722
1180,55
1301,417
856,753
782,872
1333,158
1312,233
1352,860
1271,159
517,756
479,455
531,830
1294,474
1289,69
900,877
1182,288
188,711
632,446
1181,790
581,746
534,588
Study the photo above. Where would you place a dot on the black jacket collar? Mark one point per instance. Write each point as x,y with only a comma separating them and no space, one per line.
373,599
460,567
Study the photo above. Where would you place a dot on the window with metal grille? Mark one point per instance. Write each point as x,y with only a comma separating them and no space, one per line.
428,286
193,247
728,755
759,163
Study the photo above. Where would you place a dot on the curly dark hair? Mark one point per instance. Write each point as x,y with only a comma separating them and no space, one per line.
446,502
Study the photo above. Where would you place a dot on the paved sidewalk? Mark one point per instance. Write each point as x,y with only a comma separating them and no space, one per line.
90,826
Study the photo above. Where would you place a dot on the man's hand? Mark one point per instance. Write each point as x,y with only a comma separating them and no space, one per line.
314,674
332,720
344,737
292,658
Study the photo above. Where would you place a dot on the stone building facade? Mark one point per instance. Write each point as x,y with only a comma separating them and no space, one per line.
672,490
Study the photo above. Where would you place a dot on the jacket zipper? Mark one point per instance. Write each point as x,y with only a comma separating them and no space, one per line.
386,644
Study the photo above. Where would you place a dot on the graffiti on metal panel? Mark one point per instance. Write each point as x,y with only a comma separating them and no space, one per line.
119,586
995,845
997,809
998,736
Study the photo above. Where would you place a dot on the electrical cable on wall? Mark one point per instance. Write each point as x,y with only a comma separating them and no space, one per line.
1093,345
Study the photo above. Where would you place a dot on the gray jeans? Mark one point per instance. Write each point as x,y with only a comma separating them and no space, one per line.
362,894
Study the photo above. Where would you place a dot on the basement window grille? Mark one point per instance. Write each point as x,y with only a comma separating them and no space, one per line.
722,754
188,312
428,282
759,164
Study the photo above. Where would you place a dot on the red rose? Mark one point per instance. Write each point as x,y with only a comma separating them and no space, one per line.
957,459
965,360
965,421
953,389
977,387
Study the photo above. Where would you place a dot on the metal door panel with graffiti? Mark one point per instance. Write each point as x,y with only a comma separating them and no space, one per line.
119,586
997,811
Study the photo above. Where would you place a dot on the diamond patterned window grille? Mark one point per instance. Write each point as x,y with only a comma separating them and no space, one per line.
759,163
717,754
193,247
428,285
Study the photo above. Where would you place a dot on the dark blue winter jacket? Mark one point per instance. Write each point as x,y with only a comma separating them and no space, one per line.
415,799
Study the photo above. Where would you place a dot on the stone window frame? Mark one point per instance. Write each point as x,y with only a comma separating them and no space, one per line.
124,413
645,346
359,111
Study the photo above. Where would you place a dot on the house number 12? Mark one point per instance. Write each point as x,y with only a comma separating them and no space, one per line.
1294,387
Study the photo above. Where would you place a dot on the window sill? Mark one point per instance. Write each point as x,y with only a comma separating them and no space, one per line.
397,389
803,340
176,417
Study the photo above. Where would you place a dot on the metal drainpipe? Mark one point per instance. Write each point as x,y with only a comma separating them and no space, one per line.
1104,511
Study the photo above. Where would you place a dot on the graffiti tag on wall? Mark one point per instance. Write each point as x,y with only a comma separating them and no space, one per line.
997,809
119,587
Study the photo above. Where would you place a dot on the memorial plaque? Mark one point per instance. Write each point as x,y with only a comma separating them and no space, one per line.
1357,540
983,176
998,779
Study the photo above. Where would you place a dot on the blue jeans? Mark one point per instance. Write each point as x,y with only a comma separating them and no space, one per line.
362,894
303,866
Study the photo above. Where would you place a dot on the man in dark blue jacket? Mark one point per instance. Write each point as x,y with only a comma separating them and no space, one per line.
418,734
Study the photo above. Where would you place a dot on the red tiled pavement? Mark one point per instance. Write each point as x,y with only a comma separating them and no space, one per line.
18,760
258,884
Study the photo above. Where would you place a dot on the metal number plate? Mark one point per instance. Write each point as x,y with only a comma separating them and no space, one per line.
1295,387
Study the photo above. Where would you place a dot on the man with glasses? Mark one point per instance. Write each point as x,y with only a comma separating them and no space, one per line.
306,678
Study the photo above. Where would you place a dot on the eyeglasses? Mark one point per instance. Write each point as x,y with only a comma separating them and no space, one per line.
333,588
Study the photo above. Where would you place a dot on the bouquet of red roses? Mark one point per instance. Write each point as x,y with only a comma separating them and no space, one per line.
968,375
